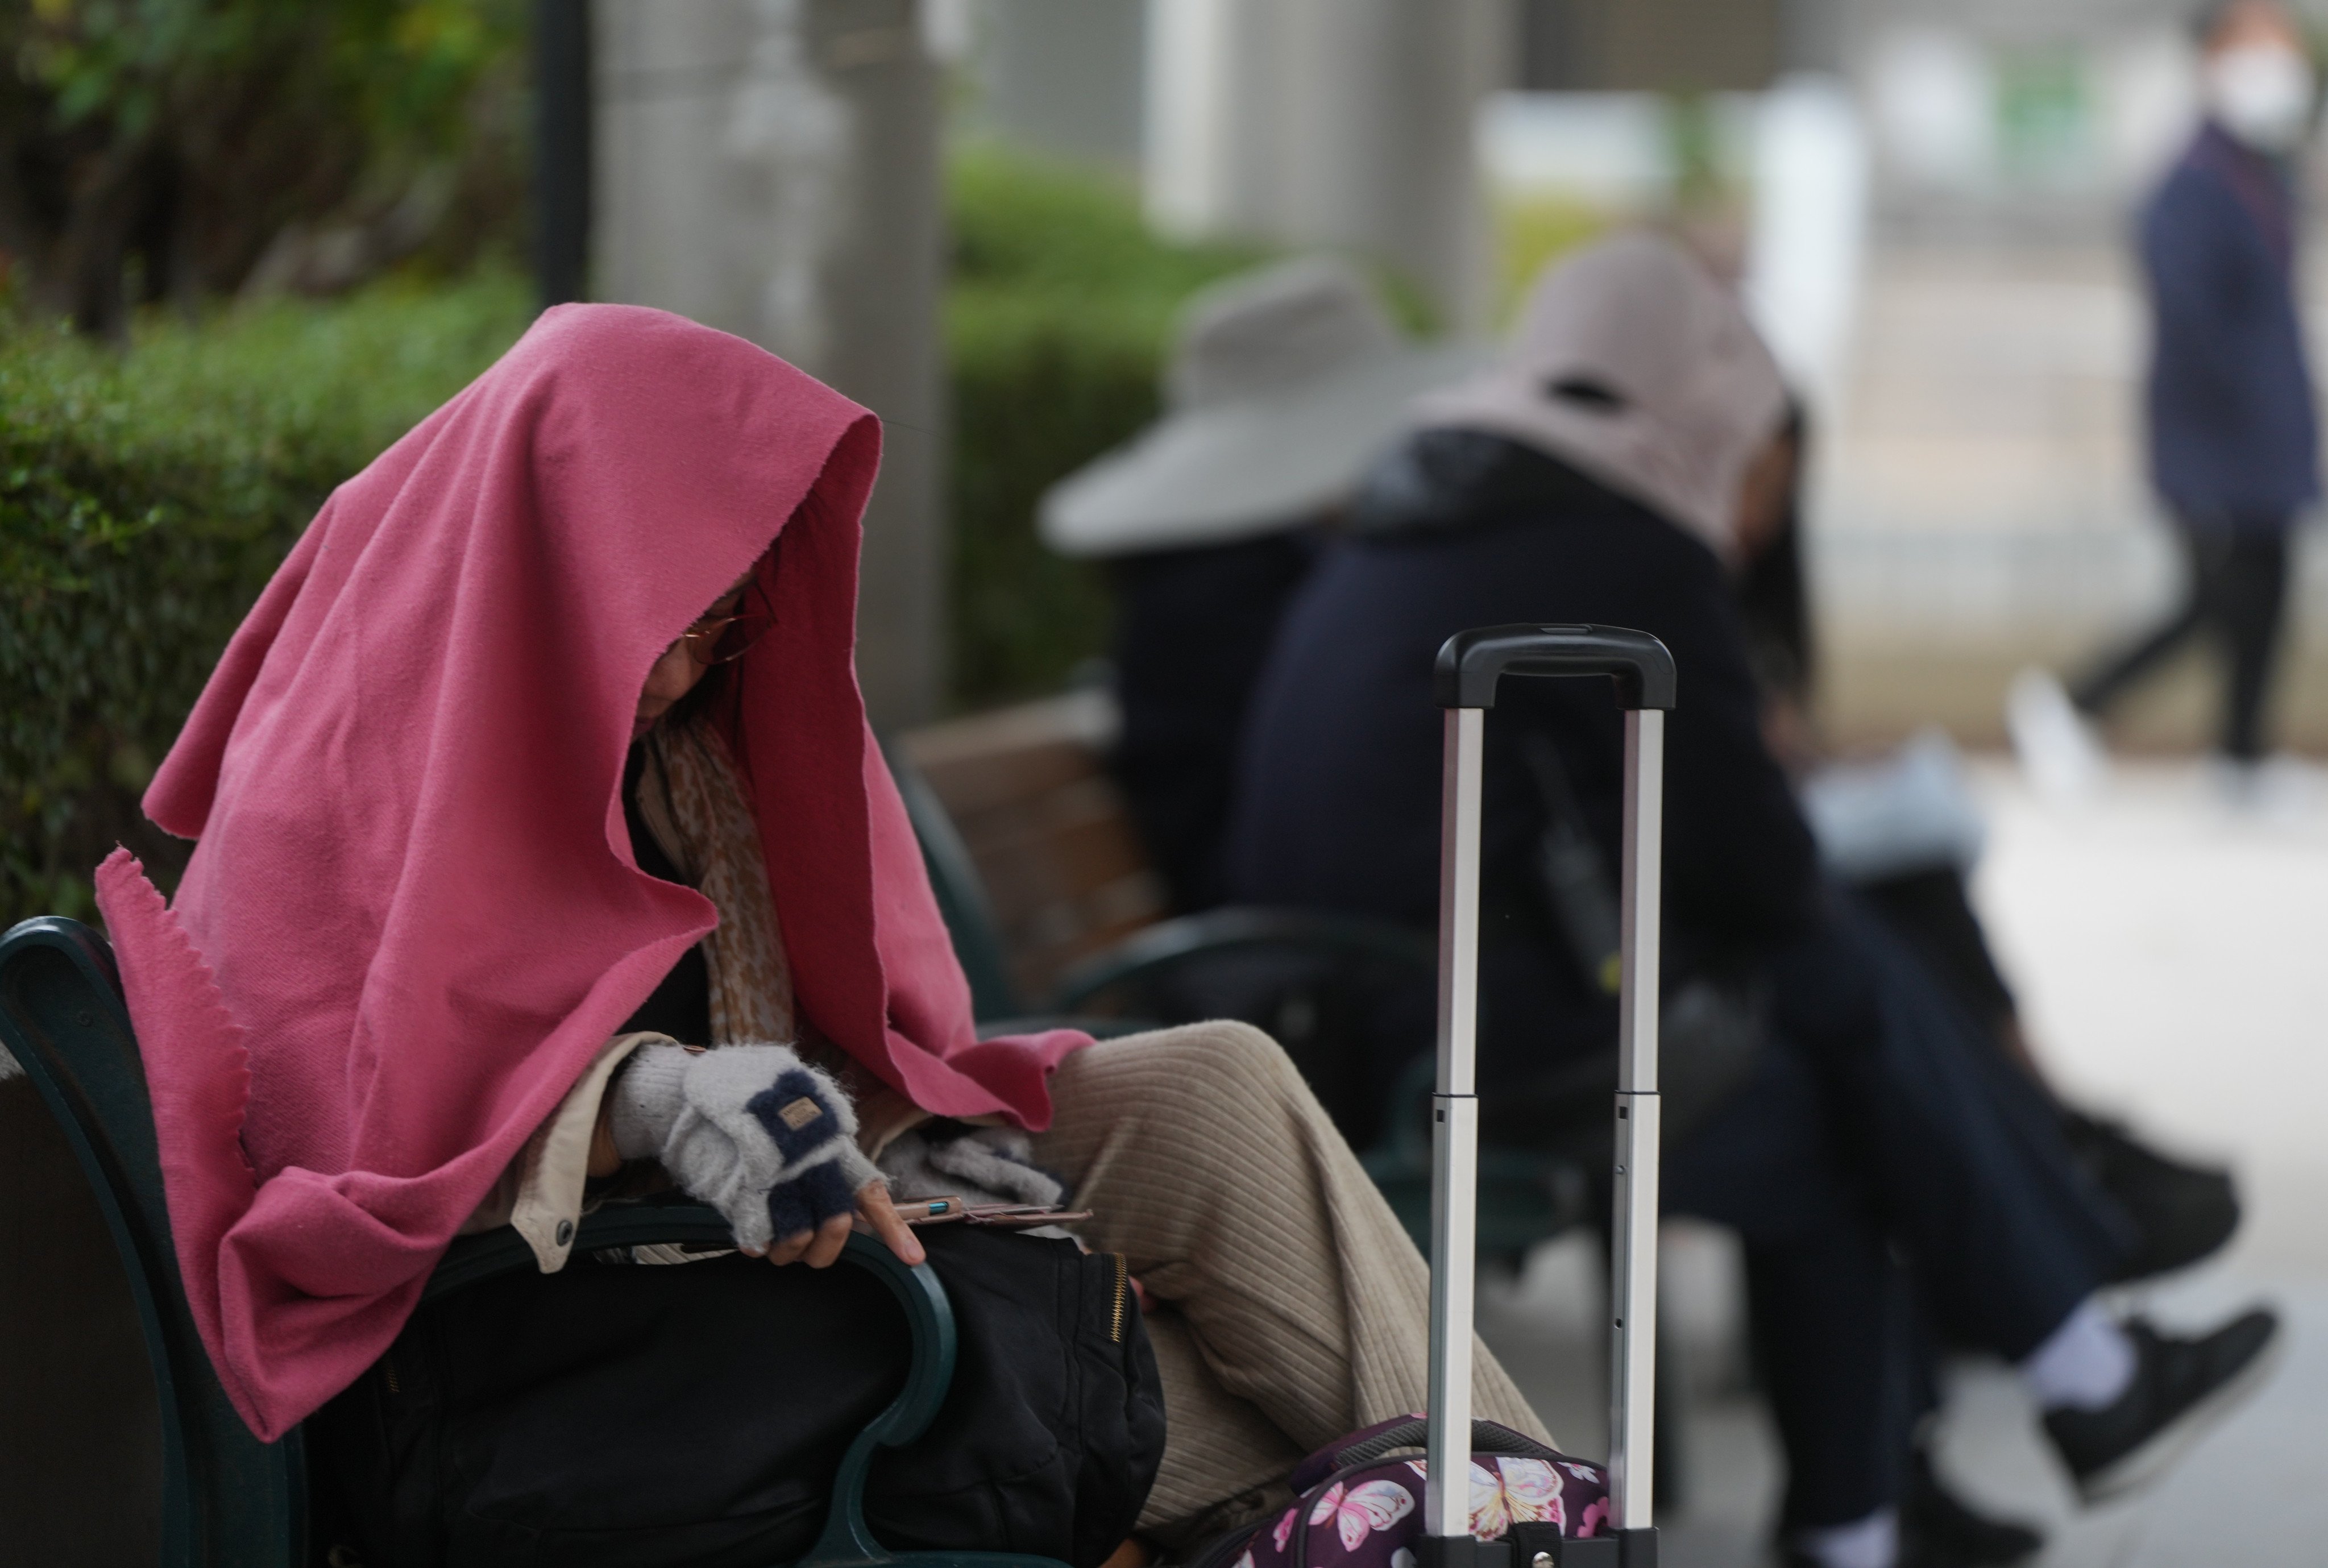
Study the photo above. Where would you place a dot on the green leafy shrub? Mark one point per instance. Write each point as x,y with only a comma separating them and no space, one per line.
147,494
162,149
144,497
1056,324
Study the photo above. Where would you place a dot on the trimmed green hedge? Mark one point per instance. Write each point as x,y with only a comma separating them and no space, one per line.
146,495
1056,324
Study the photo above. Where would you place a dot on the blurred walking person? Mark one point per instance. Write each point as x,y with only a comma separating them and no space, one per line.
2233,444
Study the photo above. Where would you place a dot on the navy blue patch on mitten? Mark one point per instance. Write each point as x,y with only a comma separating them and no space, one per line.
796,1114
809,1200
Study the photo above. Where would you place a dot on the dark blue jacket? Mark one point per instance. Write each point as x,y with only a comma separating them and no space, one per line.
1192,627
1337,800
2232,438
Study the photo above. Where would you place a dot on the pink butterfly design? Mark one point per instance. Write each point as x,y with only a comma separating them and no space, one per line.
1284,1531
1367,1506
1491,1511
1532,1492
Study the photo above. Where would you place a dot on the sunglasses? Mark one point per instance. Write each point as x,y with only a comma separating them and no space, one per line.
724,639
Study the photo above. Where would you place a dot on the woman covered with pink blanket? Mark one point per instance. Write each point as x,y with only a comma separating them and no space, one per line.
543,852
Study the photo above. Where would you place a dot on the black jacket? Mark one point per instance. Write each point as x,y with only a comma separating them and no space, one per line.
1339,785
1192,628
2233,442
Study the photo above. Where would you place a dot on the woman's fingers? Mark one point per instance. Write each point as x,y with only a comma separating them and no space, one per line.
819,1247
873,1203
830,1237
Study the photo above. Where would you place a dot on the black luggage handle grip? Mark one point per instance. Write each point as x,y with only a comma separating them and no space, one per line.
1472,662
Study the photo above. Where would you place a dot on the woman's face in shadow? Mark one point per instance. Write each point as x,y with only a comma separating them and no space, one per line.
685,662
1766,494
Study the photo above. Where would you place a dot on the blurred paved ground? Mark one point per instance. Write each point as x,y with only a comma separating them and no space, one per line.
2169,954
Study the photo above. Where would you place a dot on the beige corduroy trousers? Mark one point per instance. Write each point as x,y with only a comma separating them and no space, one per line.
1290,1306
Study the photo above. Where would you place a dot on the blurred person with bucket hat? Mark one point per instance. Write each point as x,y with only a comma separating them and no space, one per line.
2234,444
1283,383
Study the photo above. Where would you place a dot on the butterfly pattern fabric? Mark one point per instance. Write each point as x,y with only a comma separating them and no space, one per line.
1508,1491
1368,1507
1368,1515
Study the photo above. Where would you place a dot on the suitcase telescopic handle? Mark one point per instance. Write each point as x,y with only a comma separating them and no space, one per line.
1470,664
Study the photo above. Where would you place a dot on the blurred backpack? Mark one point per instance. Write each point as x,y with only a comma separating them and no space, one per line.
1709,1026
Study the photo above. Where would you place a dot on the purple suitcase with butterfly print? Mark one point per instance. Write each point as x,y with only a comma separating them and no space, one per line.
1454,1532
1364,1502
1357,1502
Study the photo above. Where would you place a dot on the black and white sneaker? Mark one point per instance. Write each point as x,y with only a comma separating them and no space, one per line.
1939,1529
2179,1388
2184,1212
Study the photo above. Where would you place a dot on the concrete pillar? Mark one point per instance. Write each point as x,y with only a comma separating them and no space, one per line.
1061,78
1343,123
770,167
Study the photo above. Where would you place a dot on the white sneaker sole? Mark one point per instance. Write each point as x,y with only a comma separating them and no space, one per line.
2059,754
2170,1442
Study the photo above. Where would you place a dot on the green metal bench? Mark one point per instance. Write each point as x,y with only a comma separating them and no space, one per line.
231,1501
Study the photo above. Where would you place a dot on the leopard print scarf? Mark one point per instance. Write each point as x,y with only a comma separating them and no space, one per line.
693,802
692,799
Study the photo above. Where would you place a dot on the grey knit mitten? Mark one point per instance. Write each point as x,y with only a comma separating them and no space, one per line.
975,1164
753,1130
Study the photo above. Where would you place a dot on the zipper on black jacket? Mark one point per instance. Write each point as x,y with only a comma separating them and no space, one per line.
1122,1288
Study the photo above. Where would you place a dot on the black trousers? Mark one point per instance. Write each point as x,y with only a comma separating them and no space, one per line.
1895,1179
1931,911
1890,1174
2238,592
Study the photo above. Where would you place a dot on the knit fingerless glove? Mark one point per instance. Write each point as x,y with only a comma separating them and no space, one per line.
762,1137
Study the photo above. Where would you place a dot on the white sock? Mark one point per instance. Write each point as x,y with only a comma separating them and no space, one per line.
2085,1364
1873,1542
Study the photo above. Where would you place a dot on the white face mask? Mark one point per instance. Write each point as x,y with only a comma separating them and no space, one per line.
2262,94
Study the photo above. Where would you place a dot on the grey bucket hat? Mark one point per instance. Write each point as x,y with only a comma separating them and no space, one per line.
1635,365
1283,383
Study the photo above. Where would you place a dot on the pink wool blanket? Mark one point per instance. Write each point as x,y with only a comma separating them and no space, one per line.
413,915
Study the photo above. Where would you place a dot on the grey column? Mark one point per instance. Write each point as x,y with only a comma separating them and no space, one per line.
1379,136
1343,123
1061,78
770,167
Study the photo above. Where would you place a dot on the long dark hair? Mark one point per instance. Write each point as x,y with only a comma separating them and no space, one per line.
1774,589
